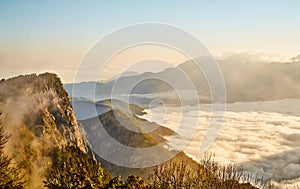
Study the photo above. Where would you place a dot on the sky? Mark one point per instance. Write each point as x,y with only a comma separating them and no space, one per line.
38,36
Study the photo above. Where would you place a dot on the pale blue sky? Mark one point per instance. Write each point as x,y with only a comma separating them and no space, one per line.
37,27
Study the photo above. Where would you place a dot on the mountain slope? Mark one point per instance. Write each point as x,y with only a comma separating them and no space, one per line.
38,115
130,131
126,129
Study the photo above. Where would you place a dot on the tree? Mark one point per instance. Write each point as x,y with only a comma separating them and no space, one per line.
115,183
10,176
131,182
207,174
72,168
134,182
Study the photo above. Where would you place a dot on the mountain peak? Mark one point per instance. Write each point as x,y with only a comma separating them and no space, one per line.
38,115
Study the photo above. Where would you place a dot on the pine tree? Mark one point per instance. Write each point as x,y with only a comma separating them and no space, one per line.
72,168
10,177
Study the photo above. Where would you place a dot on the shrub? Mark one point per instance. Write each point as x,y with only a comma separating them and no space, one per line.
10,176
72,168
207,174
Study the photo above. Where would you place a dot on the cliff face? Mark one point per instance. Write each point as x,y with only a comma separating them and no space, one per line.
38,115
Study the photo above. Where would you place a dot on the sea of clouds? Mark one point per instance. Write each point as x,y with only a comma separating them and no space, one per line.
264,137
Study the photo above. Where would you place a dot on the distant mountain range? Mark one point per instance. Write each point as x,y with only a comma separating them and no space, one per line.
245,81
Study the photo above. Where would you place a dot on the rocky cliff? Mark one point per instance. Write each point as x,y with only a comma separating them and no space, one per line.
37,113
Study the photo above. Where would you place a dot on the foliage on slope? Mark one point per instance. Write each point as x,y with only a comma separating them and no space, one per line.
38,115
10,173
207,174
73,168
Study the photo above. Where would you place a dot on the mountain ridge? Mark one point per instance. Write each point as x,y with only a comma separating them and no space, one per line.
38,115
129,130
86,108
251,81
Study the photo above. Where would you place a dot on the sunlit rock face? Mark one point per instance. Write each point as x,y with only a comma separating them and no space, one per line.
37,113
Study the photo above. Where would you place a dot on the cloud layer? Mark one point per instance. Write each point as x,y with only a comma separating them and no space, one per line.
262,136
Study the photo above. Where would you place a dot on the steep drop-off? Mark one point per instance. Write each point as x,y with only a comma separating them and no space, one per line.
38,115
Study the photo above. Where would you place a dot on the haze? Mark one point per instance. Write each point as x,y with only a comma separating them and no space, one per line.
54,35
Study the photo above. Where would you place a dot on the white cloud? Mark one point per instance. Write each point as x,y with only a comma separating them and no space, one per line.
263,136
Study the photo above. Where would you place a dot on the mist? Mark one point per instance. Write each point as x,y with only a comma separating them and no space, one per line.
261,136
248,77
29,107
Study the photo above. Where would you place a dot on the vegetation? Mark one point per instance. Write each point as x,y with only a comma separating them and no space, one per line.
72,168
132,182
10,176
208,174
